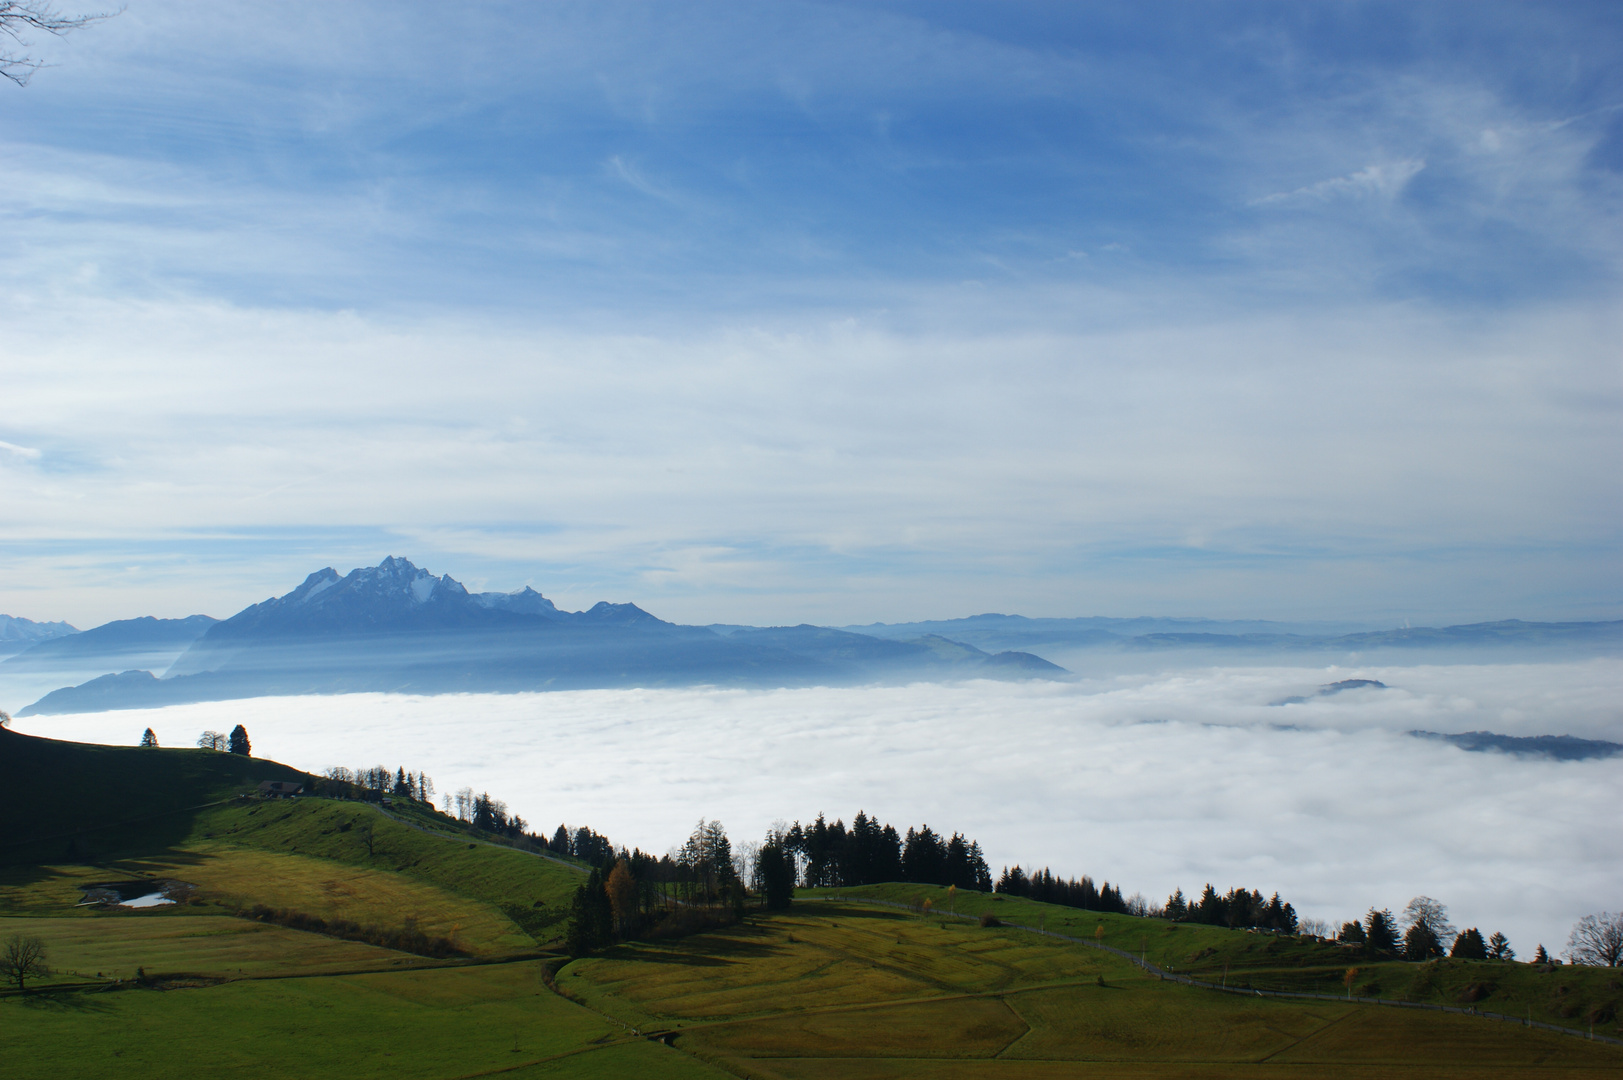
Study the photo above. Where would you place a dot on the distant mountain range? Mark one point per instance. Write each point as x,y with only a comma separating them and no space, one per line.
19,634
395,627
1147,634
125,641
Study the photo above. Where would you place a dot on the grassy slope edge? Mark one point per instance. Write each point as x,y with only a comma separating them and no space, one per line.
78,801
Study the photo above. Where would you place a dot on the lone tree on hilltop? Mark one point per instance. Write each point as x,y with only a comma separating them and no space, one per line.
23,958
17,18
239,741
149,740
1597,940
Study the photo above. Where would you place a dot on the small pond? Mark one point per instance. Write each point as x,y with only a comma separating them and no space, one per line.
132,894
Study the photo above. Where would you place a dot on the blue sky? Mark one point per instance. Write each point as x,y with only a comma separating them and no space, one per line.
835,313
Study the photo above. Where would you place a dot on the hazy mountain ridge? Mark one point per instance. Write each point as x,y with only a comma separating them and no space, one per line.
398,628
109,641
996,632
395,627
17,634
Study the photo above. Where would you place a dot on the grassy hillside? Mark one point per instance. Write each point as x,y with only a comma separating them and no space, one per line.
1565,995
838,990
835,987
229,880
1568,996
532,891
413,1025
78,801
91,951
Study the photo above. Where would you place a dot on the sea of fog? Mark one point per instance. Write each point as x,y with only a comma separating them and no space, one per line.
1150,780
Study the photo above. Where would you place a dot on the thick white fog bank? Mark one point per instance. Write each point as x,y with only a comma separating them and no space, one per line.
1150,781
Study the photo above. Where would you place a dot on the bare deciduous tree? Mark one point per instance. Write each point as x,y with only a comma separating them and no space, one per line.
1597,940
211,740
18,18
1429,913
23,958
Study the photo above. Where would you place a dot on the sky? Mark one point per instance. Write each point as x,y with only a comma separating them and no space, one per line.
820,312
1152,781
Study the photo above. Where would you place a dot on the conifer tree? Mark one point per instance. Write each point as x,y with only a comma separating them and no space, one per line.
776,869
239,741
1499,947
1469,946
591,917
1420,943
149,740
1380,932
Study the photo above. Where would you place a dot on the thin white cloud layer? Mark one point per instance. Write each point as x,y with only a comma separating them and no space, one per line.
1152,781
1384,181
834,471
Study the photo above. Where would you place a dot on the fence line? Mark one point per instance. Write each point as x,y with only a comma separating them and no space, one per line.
1187,980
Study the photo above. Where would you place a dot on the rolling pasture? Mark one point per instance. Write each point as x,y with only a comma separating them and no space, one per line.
849,983
841,989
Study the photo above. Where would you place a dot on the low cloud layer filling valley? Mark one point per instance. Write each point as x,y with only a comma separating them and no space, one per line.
1153,781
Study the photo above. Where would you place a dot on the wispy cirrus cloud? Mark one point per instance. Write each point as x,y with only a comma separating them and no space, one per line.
1383,181
785,303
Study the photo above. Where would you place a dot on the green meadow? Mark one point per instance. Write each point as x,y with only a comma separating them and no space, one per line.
846,983
1568,996
840,989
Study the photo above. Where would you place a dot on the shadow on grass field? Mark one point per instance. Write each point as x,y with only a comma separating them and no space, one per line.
833,989
1568,996
530,892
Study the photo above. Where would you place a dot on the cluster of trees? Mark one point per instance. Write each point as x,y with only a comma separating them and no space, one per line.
1237,909
1426,934
869,852
488,815
582,843
632,893
235,743
1042,885
379,780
